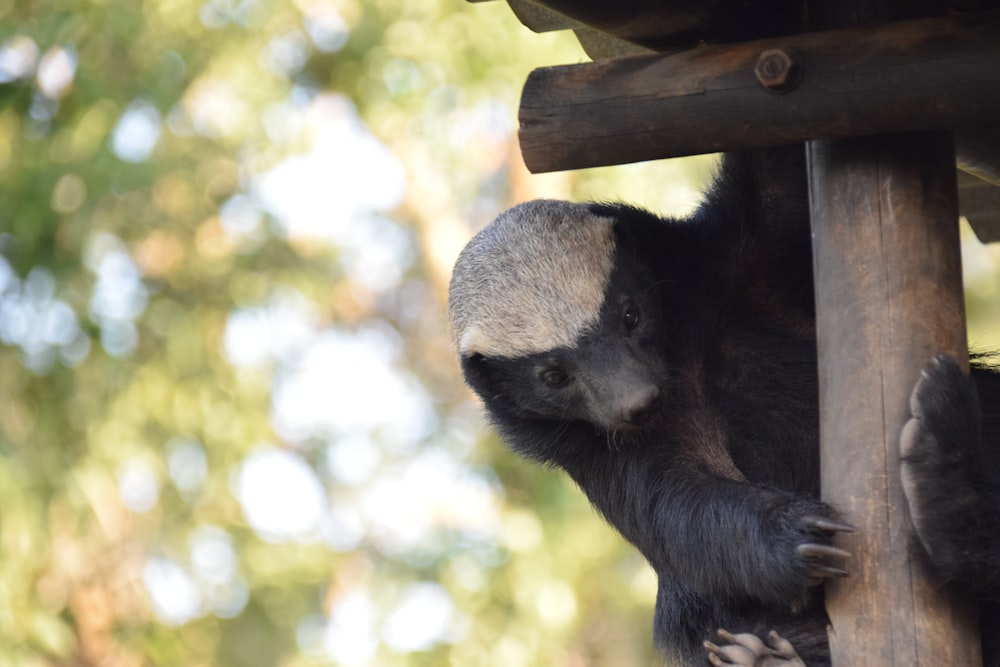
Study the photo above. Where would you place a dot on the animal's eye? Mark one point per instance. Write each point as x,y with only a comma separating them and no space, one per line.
554,377
630,318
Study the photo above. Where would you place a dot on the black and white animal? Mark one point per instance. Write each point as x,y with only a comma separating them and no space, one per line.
669,367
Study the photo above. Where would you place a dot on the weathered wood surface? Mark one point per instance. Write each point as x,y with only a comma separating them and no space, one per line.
889,297
910,75
979,153
662,25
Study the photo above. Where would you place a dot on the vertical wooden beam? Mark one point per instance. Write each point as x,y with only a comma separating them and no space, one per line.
888,297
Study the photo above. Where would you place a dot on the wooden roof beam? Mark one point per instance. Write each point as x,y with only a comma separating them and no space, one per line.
911,75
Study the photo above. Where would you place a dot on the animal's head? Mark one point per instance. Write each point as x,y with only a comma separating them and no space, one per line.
554,317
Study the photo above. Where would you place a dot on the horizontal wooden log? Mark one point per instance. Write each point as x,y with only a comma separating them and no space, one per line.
906,76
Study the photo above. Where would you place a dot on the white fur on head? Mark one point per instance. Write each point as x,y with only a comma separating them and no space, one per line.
532,280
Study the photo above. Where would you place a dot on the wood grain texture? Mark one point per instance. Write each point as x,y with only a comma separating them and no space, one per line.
910,75
889,297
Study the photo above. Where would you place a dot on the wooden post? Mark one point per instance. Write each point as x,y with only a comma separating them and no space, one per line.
888,297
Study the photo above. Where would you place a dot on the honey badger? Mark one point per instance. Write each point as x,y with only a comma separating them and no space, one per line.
669,367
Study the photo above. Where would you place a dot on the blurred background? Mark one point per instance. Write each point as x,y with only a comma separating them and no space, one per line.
232,431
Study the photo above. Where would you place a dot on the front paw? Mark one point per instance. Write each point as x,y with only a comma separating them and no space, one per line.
803,555
822,560
747,650
939,448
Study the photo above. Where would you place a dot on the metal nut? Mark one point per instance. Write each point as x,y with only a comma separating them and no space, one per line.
777,71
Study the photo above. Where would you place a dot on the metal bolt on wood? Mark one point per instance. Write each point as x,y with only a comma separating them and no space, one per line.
777,70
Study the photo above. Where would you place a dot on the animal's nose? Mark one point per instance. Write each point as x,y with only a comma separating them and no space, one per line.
641,404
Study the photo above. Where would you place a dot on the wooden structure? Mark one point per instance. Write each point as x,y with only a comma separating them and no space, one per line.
882,92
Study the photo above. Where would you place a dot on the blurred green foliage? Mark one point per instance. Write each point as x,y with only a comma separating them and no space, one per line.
158,291
231,428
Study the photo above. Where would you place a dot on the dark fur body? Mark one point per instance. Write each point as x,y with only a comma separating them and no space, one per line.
700,443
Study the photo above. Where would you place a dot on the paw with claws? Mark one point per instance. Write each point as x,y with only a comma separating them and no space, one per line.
748,650
802,554
823,560
795,551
